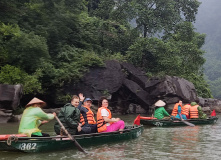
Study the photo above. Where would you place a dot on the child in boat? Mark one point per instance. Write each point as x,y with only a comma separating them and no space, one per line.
105,122
160,112
33,116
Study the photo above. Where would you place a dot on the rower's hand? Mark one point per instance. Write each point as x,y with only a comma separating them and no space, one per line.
79,124
54,114
79,127
43,122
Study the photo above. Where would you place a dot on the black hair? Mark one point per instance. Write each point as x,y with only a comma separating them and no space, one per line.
100,101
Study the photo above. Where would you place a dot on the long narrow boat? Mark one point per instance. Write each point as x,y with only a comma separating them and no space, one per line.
168,123
47,144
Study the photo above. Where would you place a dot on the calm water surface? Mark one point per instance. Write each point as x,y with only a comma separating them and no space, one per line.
199,142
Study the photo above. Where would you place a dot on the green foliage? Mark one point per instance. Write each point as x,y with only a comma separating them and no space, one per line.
200,84
48,44
101,8
12,75
177,54
18,111
71,64
117,56
64,98
7,32
154,16
26,51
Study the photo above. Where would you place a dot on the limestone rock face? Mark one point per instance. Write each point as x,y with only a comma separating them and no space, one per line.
171,89
10,96
125,84
99,81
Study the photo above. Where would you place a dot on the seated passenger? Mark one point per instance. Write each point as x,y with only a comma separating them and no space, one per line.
105,122
87,116
179,110
187,110
201,114
193,110
160,111
196,111
33,116
69,116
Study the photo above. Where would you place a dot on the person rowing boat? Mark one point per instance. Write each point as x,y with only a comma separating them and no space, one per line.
33,116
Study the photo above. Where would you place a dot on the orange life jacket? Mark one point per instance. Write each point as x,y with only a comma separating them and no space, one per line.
82,119
194,112
175,109
187,109
89,117
101,124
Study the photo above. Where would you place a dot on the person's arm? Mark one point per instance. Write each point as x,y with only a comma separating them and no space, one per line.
82,109
42,115
104,114
106,119
165,112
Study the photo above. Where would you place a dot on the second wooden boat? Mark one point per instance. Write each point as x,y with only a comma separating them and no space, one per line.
168,123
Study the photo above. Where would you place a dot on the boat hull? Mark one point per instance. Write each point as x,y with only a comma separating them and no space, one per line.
55,144
168,123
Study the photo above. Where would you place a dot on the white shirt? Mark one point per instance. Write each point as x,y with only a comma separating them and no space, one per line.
105,113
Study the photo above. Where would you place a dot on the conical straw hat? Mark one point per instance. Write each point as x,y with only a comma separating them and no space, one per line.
34,101
160,103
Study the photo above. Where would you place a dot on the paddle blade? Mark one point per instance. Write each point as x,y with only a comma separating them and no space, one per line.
213,114
137,120
189,124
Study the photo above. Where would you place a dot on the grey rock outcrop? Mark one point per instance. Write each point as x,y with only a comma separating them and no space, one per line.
126,85
10,96
130,91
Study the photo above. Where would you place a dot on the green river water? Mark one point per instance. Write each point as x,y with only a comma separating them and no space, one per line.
189,143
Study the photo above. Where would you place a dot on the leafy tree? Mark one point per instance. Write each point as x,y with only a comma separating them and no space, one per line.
27,50
154,16
7,32
101,8
54,42
177,54
13,75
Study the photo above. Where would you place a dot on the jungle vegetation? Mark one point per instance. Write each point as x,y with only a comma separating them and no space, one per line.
47,44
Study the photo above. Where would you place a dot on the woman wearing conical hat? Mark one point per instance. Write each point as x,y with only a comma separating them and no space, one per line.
160,111
33,116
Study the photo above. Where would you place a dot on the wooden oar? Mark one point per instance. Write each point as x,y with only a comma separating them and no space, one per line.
71,137
187,123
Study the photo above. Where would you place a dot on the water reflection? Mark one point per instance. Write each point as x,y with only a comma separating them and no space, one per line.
184,140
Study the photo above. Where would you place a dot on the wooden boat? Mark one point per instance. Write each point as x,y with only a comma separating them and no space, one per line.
46,144
168,123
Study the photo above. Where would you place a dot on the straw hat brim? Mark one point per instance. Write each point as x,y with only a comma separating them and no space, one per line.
160,103
35,101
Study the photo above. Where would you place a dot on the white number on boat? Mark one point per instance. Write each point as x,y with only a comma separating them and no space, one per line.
159,124
28,146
